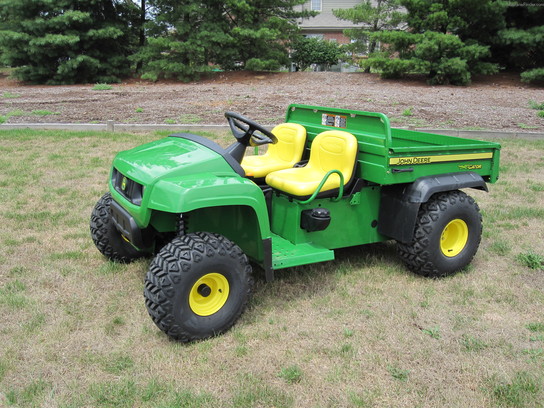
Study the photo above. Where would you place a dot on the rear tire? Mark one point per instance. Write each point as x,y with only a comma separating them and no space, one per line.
446,236
107,238
197,286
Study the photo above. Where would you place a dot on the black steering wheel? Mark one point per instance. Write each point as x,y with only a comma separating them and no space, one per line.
244,130
247,133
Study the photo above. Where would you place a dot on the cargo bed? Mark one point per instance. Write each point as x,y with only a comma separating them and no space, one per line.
392,156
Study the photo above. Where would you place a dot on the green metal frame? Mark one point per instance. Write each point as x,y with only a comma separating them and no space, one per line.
322,183
353,220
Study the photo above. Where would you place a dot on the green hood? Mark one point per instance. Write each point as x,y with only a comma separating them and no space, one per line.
177,155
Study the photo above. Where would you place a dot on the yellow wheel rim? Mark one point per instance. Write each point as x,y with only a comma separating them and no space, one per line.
209,294
454,238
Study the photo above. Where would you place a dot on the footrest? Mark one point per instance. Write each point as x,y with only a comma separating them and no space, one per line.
286,254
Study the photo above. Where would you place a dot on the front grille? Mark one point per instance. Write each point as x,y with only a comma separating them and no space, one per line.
128,188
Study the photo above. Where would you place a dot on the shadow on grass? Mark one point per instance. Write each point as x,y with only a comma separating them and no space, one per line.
291,284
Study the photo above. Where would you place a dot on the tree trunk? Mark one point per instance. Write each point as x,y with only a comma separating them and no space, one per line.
141,43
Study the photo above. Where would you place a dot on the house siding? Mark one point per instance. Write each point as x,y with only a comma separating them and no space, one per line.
325,24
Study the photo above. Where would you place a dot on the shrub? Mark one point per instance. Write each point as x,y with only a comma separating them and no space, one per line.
308,51
256,64
533,76
390,68
443,58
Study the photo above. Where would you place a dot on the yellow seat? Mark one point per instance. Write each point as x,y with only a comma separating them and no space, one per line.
279,156
330,150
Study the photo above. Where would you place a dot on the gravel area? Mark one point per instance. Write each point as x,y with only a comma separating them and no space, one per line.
498,102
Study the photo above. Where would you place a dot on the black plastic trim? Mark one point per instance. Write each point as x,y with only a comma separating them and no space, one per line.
399,204
315,219
268,269
424,187
214,147
127,226
133,191
397,215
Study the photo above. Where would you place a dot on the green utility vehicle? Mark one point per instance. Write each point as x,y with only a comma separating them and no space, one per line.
331,178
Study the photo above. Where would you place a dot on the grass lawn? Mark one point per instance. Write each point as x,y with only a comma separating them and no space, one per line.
360,331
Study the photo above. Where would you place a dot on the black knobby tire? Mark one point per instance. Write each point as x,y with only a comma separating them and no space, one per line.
107,238
176,271
425,255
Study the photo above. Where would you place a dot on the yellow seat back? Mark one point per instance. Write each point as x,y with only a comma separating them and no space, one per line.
330,150
282,155
334,150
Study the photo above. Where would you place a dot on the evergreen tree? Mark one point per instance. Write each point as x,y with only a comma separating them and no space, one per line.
64,41
183,37
468,19
375,16
443,58
187,37
261,31
443,41
520,45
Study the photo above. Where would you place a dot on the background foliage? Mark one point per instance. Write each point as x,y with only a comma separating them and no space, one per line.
308,51
519,44
449,41
65,41
377,15
188,38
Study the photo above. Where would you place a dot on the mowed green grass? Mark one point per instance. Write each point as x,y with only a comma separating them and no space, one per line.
361,331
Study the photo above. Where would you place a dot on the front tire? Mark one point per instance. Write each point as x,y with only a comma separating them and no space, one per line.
107,238
197,286
446,236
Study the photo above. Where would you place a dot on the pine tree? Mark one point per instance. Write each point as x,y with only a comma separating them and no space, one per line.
375,16
261,31
443,41
186,38
468,19
65,42
183,37
520,45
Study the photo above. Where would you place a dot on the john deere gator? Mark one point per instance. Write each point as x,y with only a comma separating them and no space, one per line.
330,178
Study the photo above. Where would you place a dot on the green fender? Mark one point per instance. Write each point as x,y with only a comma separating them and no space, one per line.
205,190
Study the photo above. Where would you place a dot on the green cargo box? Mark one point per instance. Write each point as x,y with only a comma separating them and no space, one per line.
394,156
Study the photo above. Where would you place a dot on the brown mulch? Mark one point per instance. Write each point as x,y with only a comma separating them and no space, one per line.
499,102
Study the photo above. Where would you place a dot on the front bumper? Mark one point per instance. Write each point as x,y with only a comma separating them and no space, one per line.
128,228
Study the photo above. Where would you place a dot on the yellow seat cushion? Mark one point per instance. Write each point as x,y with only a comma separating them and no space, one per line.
330,150
282,155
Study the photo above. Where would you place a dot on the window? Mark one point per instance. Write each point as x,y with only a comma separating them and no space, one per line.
315,5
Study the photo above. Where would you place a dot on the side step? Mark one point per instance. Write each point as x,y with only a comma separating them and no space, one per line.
286,254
